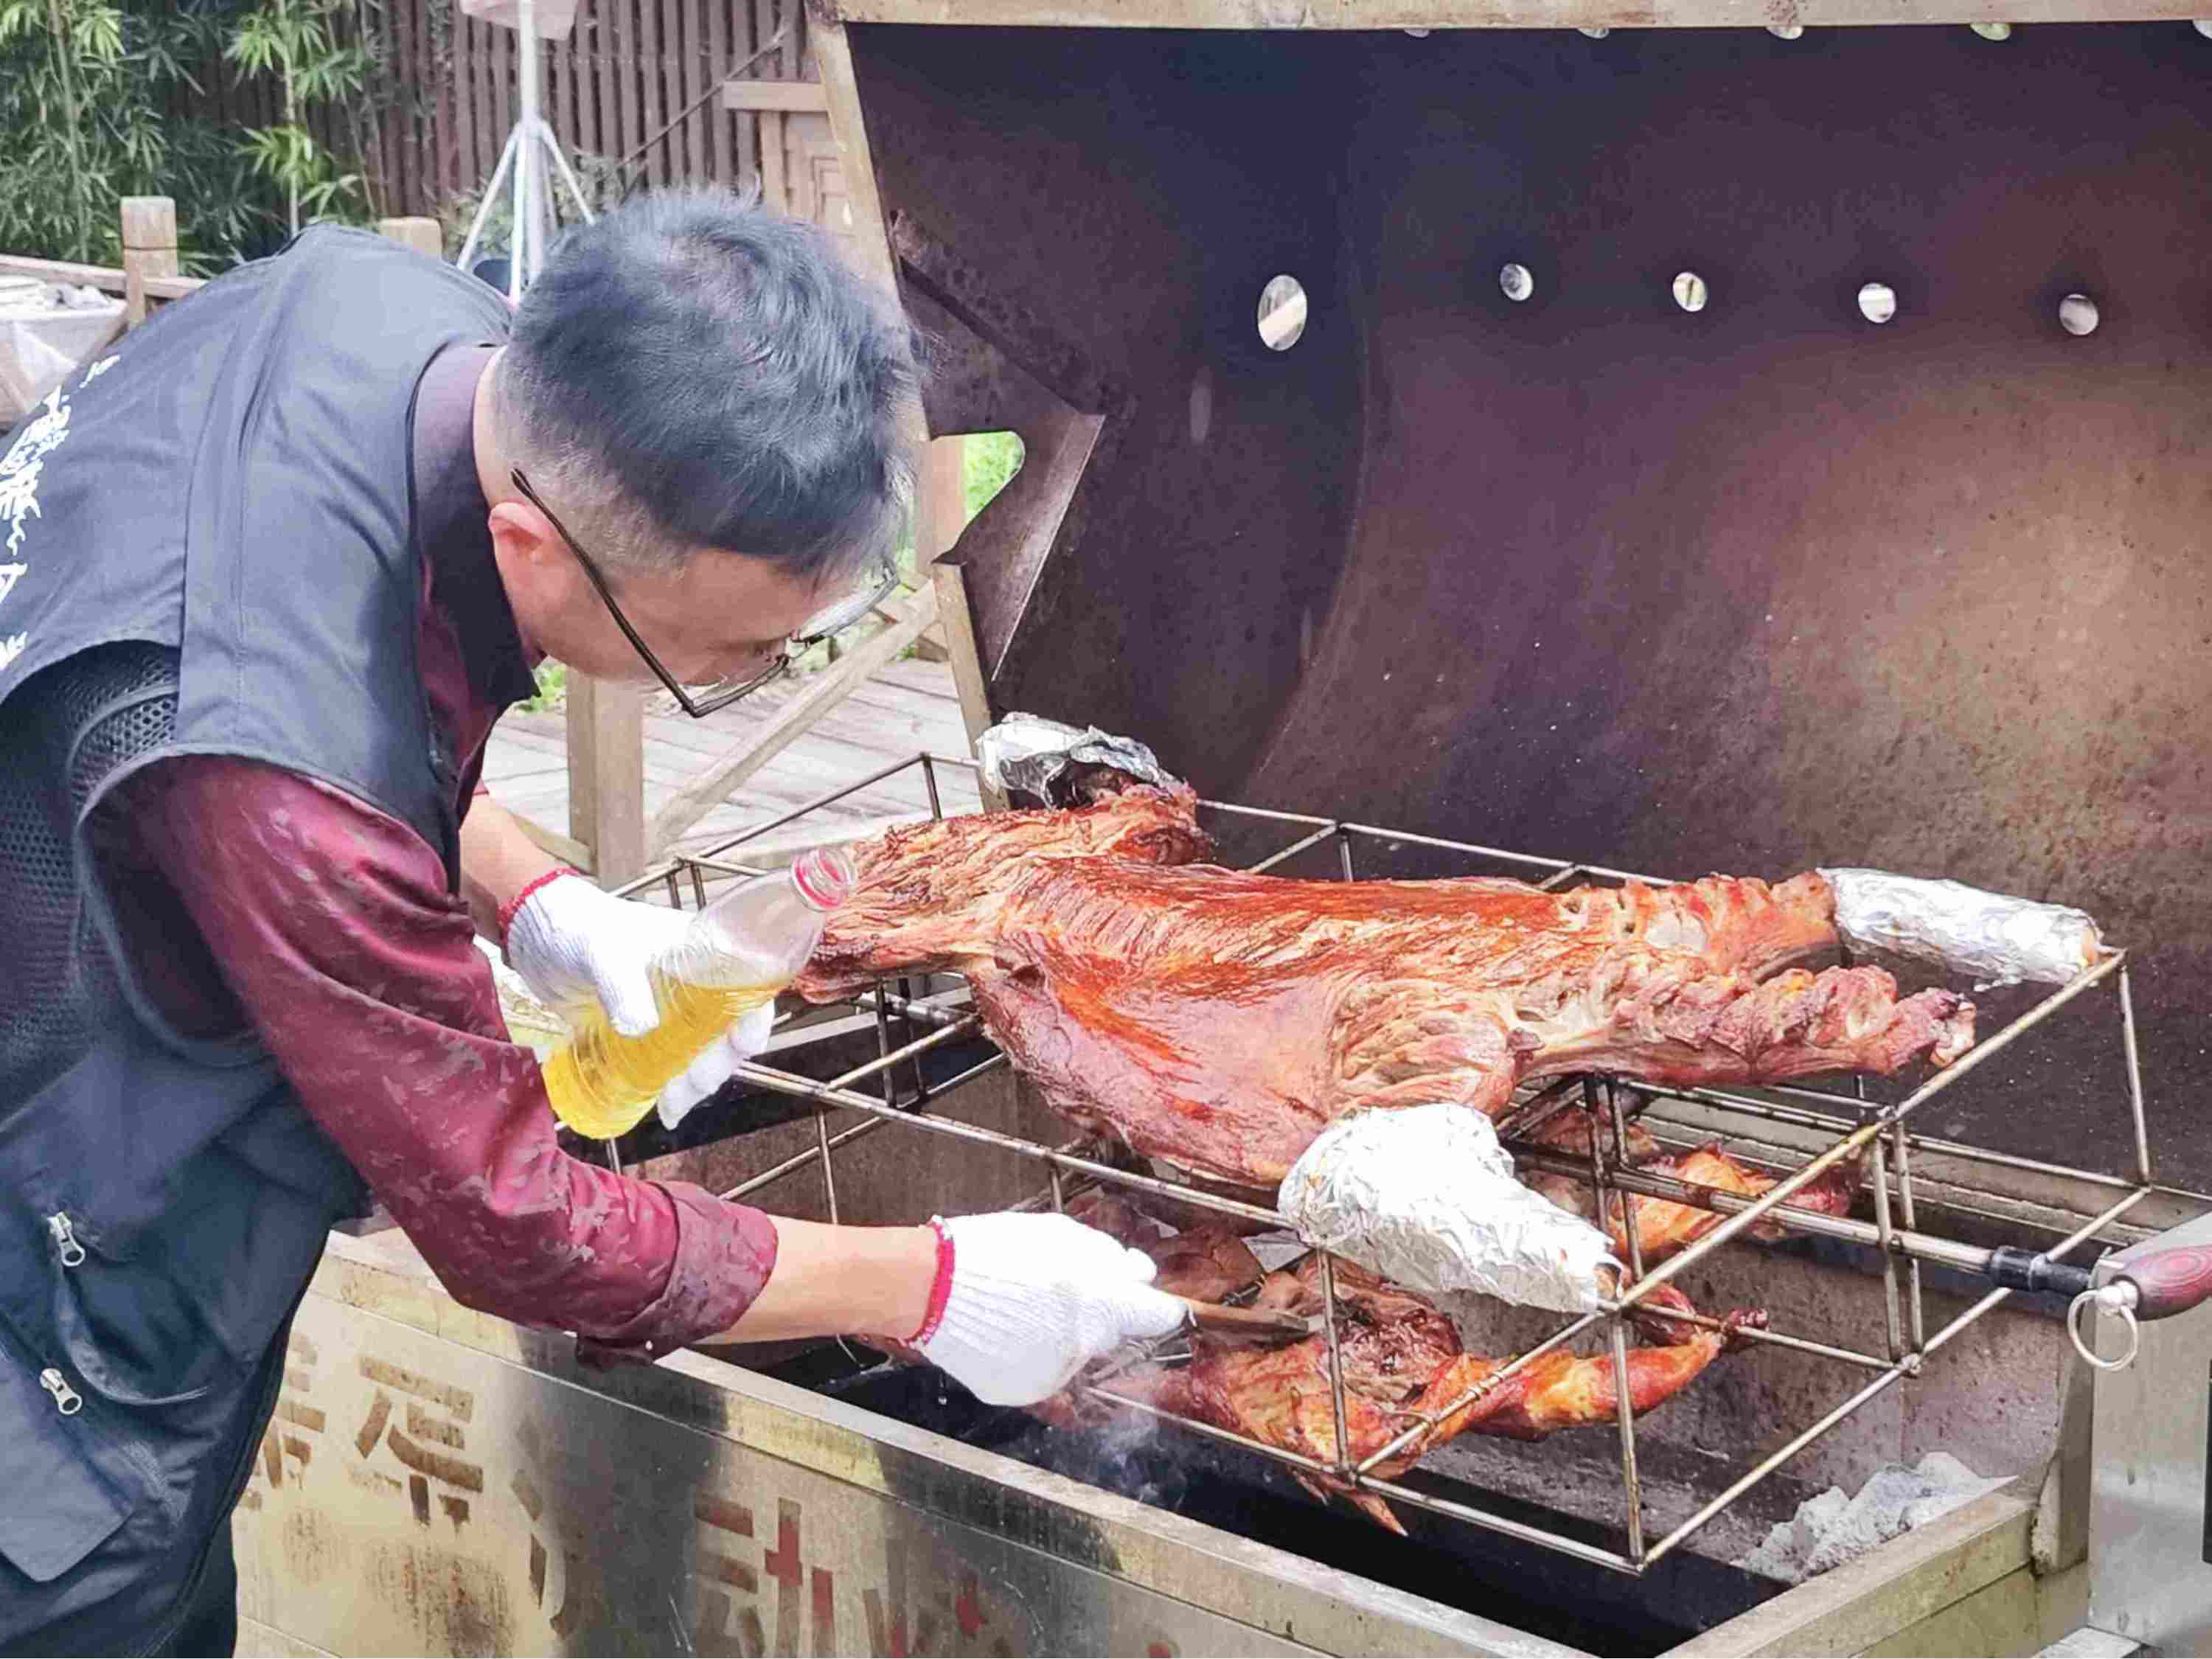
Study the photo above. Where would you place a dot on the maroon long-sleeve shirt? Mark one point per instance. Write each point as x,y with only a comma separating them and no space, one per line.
330,927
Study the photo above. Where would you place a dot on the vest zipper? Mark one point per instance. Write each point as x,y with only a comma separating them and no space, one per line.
67,1400
64,1232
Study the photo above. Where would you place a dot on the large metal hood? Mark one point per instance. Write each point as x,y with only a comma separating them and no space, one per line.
1753,588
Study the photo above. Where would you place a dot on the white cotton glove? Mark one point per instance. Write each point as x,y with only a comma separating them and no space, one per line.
1034,1299
717,1063
575,945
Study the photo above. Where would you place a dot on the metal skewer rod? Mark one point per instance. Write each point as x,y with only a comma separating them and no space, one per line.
1335,1360
753,832
1858,1138
837,1094
754,1183
929,782
1272,817
1292,850
1801,1118
1966,1258
1631,1483
1504,1374
1887,1242
1982,1052
1497,1523
2135,1078
1916,1314
1904,1367
1772,1338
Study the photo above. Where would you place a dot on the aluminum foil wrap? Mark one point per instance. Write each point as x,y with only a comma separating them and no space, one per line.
1999,941
1425,1196
1028,755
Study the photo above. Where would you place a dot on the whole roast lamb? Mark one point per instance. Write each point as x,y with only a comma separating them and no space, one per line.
1218,1020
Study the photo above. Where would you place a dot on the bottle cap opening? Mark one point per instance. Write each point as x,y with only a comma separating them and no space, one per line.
825,877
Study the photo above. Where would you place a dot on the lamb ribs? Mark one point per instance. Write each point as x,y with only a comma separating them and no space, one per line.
1218,1020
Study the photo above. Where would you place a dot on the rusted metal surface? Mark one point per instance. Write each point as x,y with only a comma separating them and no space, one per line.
1753,588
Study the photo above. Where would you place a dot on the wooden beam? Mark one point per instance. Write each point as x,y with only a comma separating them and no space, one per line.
940,513
823,693
17,395
940,502
786,97
149,249
968,679
606,776
419,234
107,278
833,61
567,848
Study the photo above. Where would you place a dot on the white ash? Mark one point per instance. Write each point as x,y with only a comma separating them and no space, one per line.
1833,1527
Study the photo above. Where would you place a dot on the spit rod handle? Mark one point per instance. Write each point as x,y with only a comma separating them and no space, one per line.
1246,1322
2168,1281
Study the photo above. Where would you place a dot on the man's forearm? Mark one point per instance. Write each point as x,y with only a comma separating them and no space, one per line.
841,1281
498,860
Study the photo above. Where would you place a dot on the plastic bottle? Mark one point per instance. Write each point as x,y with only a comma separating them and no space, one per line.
738,953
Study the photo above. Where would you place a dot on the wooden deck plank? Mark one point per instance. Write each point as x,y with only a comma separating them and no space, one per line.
907,708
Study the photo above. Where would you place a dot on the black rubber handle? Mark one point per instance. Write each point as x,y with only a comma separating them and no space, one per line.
2029,1270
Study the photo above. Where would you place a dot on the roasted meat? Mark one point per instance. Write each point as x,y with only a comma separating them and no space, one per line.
929,894
1218,1020
1402,1361
1663,1226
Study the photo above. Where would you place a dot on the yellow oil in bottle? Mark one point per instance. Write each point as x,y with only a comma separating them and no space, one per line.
602,1083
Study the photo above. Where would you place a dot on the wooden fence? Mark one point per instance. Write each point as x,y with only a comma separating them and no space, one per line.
638,83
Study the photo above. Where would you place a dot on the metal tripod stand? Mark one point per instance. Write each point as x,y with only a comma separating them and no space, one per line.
523,169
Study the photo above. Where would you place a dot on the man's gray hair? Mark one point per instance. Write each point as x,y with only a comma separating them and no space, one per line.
695,371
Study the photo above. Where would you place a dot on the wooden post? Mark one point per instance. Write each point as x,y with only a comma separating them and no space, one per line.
149,249
970,679
423,235
940,513
606,776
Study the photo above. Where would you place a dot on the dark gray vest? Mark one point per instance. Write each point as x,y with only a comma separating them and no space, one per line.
206,547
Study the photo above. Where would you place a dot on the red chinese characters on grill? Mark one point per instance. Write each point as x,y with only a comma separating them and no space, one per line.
1218,1020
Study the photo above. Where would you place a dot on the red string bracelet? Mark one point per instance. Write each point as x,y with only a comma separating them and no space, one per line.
507,911
941,1289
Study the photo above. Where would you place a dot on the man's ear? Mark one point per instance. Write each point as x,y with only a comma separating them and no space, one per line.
522,535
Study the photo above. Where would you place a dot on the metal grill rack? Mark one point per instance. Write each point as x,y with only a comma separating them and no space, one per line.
1854,1125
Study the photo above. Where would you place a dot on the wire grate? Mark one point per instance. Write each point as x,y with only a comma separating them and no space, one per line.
1852,1125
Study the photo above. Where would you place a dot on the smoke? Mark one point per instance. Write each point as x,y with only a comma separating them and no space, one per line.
1126,1452
1130,1459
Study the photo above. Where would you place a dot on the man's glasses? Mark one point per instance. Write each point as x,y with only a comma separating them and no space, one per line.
698,701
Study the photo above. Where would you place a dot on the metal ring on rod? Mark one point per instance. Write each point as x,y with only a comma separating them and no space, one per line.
2110,1299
